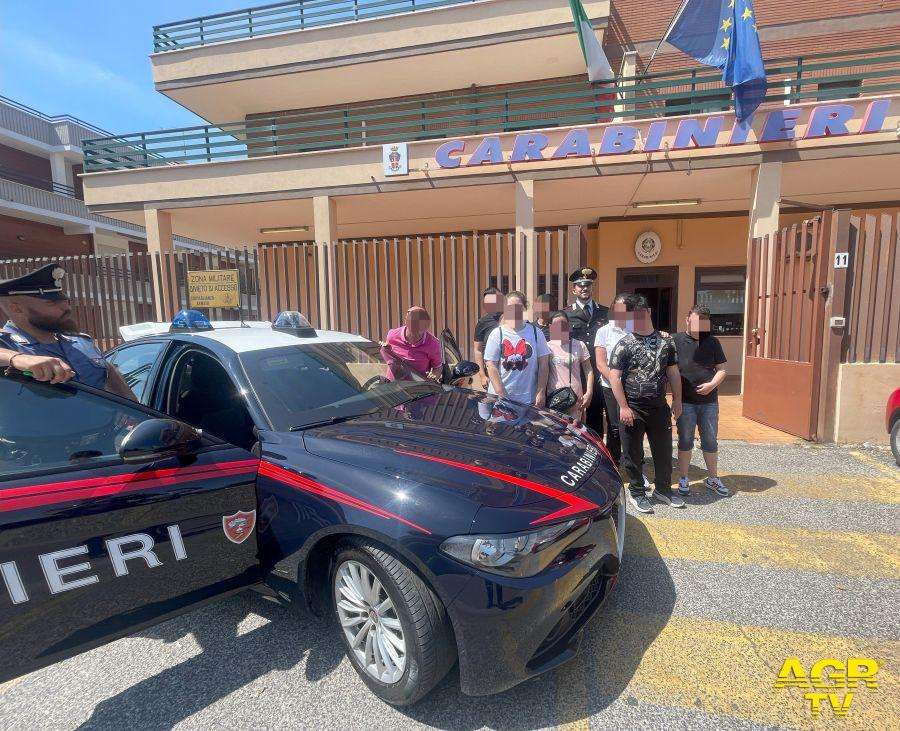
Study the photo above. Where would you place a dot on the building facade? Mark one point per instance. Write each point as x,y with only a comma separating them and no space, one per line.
42,209
416,152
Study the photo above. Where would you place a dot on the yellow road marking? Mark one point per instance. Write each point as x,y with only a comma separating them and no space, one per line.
816,487
887,469
854,554
729,669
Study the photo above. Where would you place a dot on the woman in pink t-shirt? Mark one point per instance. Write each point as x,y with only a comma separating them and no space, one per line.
569,358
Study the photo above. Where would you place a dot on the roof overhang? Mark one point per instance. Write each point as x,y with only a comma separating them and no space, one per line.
482,43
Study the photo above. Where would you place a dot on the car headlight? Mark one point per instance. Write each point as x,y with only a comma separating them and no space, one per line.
517,554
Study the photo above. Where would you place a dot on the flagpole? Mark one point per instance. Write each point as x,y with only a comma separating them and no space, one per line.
666,34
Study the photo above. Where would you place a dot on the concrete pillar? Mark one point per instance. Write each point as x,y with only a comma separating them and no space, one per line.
60,171
765,194
577,255
628,71
764,199
325,233
526,270
161,247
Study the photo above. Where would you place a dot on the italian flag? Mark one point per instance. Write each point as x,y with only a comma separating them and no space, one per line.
598,67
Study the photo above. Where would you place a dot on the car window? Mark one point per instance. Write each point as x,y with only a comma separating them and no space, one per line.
303,384
44,427
450,348
135,363
204,395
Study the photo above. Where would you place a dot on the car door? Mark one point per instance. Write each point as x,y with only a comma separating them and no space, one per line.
94,547
449,348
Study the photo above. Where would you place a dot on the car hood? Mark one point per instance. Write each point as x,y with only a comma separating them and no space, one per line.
500,453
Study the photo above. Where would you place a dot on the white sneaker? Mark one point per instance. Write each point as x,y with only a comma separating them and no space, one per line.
715,484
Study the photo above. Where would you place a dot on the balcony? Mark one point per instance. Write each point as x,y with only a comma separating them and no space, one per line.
320,53
279,18
33,182
818,77
29,123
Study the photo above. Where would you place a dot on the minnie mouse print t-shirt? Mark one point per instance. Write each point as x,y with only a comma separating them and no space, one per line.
516,353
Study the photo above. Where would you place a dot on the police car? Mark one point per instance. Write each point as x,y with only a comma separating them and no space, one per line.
433,523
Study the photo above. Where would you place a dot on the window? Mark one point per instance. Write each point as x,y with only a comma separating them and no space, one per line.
848,89
697,104
203,395
136,362
299,385
45,427
722,290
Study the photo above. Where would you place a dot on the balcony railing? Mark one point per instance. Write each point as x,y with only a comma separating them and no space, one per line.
809,78
34,182
278,18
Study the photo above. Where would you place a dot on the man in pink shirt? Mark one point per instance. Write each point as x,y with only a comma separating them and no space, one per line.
414,345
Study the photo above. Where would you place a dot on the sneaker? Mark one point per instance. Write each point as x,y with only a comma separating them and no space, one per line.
684,487
641,503
646,481
715,484
669,498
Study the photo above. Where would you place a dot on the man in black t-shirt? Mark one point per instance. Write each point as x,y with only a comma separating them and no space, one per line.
641,364
702,364
492,299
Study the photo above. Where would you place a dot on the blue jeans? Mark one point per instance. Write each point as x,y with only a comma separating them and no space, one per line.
704,417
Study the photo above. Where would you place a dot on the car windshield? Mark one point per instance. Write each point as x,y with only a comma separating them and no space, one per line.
306,384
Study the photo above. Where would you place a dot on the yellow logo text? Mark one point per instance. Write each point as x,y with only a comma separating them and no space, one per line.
825,678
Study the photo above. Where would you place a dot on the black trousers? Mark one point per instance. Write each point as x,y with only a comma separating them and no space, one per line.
654,420
594,416
613,442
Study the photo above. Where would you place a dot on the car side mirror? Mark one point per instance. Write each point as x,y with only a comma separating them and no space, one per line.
464,369
158,439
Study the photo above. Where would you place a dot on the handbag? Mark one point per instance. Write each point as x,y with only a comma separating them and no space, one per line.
564,398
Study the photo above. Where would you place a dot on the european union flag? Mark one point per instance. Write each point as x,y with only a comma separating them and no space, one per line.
722,33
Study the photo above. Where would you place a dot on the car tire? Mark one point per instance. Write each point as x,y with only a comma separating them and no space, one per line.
420,616
895,441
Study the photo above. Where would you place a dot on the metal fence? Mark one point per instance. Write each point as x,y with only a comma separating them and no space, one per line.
280,17
873,294
813,77
362,286
110,291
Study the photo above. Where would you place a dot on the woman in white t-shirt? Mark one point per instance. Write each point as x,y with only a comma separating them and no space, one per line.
517,356
569,358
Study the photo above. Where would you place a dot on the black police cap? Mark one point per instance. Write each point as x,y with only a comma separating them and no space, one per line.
45,283
583,274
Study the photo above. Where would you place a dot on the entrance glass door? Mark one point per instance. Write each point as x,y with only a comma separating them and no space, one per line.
660,286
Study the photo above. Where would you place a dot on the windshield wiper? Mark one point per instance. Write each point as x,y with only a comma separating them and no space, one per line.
324,422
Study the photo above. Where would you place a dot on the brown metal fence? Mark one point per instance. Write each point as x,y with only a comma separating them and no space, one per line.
788,272
106,292
110,291
873,290
376,280
363,286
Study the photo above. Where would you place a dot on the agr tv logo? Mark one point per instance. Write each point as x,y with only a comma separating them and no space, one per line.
829,675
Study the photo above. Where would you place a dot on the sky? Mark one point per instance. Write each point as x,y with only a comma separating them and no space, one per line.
89,58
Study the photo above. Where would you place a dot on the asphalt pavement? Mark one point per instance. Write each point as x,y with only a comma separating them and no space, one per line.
803,561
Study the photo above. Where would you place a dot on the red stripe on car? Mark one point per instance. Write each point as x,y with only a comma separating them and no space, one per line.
31,496
304,483
574,503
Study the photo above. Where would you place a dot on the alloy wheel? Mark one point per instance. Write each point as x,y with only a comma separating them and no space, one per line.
369,621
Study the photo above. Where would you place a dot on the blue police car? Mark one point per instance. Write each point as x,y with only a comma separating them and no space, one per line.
434,524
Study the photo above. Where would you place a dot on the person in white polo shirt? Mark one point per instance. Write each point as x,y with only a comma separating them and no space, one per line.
620,323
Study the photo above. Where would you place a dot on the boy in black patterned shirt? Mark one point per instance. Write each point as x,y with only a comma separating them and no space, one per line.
640,365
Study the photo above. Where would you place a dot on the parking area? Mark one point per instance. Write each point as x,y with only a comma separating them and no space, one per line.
803,561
